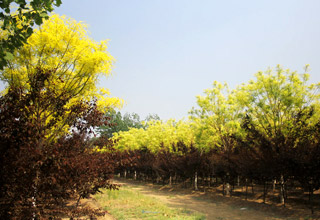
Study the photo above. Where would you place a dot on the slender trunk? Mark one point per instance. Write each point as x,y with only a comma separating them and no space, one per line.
34,197
228,185
223,188
274,181
175,177
203,180
265,191
170,180
246,188
282,193
34,202
238,180
311,197
77,204
252,187
135,175
228,189
196,181
125,174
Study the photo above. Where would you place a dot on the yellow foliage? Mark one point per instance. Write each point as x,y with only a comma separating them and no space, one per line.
157,136
63,46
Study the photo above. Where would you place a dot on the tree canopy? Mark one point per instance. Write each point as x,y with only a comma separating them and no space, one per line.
62,45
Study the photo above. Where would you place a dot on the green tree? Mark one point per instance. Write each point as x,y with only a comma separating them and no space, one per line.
17,26
120,123
151,117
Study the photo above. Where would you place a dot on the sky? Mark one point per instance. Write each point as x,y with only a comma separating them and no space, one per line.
169,51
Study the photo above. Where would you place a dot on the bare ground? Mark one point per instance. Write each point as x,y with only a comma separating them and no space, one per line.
214,205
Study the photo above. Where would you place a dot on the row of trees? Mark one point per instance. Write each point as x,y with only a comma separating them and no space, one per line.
265,130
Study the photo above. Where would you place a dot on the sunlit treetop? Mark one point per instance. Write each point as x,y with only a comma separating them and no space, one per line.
63,45
216,118
276,96
156,136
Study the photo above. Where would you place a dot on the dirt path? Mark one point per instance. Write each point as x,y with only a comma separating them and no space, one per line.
213,206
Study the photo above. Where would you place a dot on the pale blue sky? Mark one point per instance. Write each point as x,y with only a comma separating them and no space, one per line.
169,51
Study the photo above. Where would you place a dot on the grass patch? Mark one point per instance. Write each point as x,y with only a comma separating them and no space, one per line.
126,203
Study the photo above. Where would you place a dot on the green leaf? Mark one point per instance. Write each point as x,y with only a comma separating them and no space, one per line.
8,56
44,14
38,19
58,3
29,31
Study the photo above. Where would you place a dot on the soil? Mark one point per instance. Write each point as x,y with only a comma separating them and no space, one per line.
212,204
215,206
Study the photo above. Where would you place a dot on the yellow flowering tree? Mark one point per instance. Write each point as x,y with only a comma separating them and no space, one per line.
157,136
63,46
276,97
216,119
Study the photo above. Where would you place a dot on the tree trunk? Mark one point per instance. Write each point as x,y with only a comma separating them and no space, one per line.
35,192
252,187
311,197
196,181
228,189
175,177
228,185
246,188
203,180
282,189
265,191
274,181
135,175
238,180
223,188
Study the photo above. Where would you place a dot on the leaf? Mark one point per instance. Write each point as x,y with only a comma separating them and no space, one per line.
38,19
44,14
29,31
58,3
8,56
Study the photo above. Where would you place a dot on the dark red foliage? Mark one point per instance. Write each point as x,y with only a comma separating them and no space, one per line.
40,174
